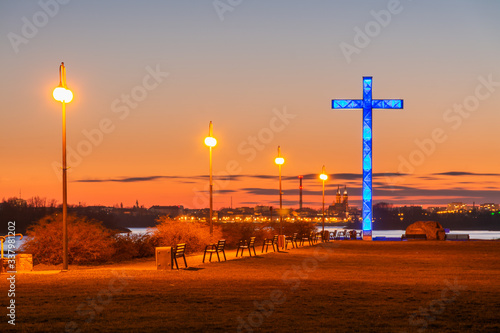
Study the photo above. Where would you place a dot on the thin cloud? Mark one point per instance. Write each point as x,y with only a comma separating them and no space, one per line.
464,173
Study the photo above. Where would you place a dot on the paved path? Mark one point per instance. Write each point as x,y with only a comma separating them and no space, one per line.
193,260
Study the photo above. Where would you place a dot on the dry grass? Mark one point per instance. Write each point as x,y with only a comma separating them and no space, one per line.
344,286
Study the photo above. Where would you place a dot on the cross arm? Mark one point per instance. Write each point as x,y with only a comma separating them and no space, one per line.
347,104
387,103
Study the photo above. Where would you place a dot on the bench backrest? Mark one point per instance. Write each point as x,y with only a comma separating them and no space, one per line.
179,249
275,239
252,242
221,244
294,237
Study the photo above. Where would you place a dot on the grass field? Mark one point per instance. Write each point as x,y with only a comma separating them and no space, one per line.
343,286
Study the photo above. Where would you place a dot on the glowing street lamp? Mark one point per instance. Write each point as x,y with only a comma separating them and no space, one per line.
62,94
210,142
323,177
279,161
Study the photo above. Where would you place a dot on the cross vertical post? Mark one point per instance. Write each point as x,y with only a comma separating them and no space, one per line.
367,104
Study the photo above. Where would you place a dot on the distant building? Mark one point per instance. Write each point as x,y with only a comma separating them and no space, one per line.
172,211
95,209
456,207
489,207
340,208
436,209
262,209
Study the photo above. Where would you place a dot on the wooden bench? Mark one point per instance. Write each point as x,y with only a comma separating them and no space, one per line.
243,244
351,234
414,237
292,240
317,237
309,238
178,251
270,241
215,248
341,233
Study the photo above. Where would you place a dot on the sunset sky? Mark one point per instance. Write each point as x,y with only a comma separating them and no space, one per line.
149,76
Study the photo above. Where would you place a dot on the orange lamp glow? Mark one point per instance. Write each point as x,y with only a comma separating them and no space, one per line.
62,94
210,141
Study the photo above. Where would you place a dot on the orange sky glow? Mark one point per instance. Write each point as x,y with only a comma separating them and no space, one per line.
149,78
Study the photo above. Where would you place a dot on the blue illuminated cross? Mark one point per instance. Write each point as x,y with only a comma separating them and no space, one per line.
367,104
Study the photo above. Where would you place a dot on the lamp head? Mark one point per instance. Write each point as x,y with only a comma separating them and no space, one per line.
323,176
279,160
62,94
210,141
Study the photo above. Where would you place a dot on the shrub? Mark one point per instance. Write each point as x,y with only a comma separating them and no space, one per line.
234,232
195,234
301,228
130,246
88,240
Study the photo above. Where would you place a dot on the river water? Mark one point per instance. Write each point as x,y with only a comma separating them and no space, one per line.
380,234
474,234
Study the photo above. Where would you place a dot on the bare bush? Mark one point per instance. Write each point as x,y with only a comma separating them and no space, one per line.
130,246
301,228
234,232
88,240
195,234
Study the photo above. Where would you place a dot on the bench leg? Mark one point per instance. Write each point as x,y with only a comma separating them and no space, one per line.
185,262
204,253
176,265
254,251
224,253
218,258
249,252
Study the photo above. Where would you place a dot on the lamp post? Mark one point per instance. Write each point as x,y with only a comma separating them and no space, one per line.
279,161
210,142
323,177
62,94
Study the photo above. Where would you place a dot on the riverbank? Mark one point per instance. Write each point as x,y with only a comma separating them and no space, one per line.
338,286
